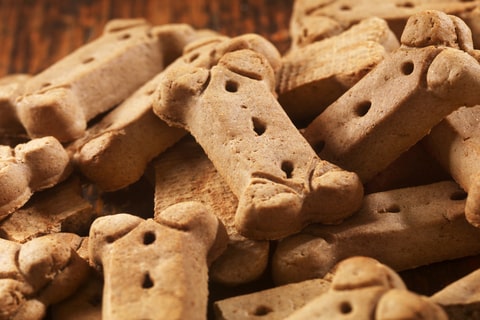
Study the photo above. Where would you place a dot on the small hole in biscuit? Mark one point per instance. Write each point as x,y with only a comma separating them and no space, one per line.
394,208
407,68
88,60
149,237
287,167
262,310
258,126
363,108
345,7
318,146
124,36
345,307
147,281
109,239
458,195
405,5
44,85
193,57
231,86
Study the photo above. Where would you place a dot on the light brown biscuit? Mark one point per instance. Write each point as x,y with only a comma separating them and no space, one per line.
184,173
33,166
10,88
395,105
165,273
270,304
60,100
312,78
223,94
397,227
61,208
39,273
318,19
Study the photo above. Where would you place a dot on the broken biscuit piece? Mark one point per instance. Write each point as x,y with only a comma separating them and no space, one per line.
157,269
217,91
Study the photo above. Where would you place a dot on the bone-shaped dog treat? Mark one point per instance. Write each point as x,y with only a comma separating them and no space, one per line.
184,173
318,19
397,227
39,273
397,103
455,143
157,269
30,167
330,67
363,288
10,88
270,304
222,92
61,100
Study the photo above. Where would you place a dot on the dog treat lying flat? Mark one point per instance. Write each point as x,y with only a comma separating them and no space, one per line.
33,166
58,209
397,227
157,269
455,143
39,273
270,304
61,100
184,173
363,288
319,19
394,106
10,88
216,92
312,78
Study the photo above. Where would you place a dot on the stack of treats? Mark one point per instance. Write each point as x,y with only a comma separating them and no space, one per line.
327,169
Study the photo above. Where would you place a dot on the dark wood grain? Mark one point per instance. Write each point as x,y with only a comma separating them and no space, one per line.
35,34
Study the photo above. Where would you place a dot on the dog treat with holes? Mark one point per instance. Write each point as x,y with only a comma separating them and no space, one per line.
10,88
270,304
455,143
157,268
38,273
319,19
312,78
363,288
93,79
58,209
216,92
397,227
33,166
433,73
244,260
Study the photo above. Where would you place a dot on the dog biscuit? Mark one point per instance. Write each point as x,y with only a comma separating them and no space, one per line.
218,91
394,106
165,273
397,227
10,88
33,166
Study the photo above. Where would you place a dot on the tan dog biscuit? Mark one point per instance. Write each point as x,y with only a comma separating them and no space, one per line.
39,273
397,103
184,173
218,91
270,304
397,227
318,19
61,100
10,88
312,78
165,273
30,167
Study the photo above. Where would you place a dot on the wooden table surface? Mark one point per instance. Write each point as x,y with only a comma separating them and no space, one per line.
36,33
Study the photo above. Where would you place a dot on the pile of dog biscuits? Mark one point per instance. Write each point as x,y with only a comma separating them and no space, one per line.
327,169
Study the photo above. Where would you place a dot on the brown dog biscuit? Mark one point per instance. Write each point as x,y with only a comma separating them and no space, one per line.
39,273
184,173
318,19
10,88
30,167
165,273
312,78
397,227
60,100
222,92
397,103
